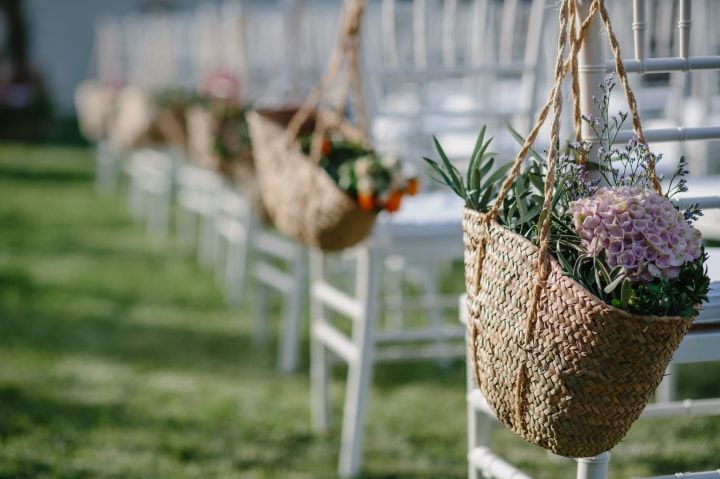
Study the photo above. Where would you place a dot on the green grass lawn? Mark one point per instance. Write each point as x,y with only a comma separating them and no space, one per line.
118,358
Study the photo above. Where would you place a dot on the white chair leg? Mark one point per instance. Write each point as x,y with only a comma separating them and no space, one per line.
186,228
234,269
394,293
260,320
289,350
165,213
360,370
479,425
666,390
593,467
158,205
106,169
206,241
221,247
319,355
135,199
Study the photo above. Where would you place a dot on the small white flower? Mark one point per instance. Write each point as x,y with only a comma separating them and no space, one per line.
363,166
390,162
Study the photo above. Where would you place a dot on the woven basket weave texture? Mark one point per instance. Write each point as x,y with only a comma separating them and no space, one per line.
591,368
303,202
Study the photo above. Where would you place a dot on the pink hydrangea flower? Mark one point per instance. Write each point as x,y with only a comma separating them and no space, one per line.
637,229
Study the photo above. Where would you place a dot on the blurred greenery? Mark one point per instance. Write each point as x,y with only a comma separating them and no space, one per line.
118,358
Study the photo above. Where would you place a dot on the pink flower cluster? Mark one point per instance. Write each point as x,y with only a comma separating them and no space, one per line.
638,229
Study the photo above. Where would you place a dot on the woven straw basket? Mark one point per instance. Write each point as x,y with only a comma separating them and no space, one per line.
557,365
590,368
138,122
302,201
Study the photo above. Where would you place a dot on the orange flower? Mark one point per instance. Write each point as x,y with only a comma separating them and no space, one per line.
413,186
393,202
366,202
326,148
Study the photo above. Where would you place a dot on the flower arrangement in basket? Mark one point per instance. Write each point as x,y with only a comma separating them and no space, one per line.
376,183
582,275
321,183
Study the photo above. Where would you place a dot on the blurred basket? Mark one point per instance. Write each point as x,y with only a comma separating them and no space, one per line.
140,121
301,199
94,105
215,142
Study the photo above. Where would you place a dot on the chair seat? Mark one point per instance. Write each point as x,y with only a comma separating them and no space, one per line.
433,214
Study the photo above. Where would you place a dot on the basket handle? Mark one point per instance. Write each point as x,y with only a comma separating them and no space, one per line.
347,51
569,11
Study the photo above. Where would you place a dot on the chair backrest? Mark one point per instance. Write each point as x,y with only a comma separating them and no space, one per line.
682,62
642,63
444,67
266,40
152,50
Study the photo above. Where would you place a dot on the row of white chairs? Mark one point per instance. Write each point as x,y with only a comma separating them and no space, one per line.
427,64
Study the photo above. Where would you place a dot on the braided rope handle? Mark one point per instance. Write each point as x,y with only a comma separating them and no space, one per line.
347,50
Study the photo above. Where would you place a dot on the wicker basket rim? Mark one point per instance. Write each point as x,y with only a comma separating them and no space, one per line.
295,147
555,265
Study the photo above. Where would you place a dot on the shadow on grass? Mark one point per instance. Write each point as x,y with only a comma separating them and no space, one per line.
24,411
20,174
113,337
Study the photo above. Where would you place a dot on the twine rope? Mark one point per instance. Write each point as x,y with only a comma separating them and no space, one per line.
347,52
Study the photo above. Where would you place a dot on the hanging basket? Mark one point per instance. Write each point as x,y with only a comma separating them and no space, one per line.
139,121
132,126
557,365
206,133
94,105
170,127
301,199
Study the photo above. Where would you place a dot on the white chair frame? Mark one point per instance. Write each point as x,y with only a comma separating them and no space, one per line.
150,186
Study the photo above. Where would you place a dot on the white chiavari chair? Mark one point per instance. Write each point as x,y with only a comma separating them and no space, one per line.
414,85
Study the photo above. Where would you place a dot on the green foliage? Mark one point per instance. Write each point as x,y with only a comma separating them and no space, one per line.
678,297
233,132
342,151
481,183
522,213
